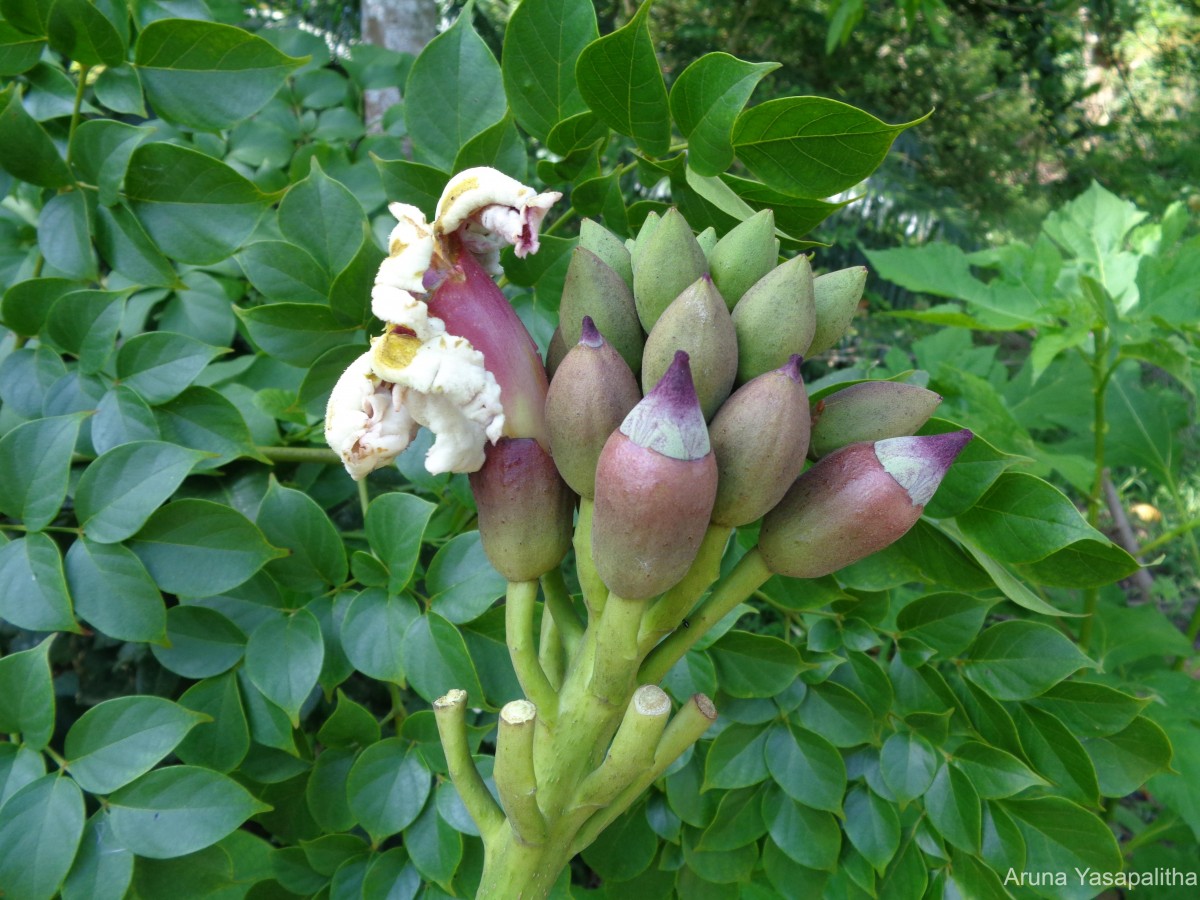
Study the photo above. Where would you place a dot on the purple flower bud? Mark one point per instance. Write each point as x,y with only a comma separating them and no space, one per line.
655,485
855,501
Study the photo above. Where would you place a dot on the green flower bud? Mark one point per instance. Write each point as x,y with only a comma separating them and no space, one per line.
697,322
854,502
759,437
592,392
707,239
836,295
869,411
669,261
608,247
525,509
655,485
775,318
743,256
593,288
636,246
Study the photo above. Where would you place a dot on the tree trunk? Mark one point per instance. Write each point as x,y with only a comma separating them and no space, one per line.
405,26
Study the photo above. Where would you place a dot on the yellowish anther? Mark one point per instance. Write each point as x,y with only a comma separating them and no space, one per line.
393,352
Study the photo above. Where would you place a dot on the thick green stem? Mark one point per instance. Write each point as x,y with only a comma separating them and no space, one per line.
668,611
450,713
632,750
550,652
558,601
745,578
518,628
515,781
301,455
617,657
594,591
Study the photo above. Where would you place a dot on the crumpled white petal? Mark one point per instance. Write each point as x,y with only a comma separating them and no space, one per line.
366,421
410,249
489,209
398,307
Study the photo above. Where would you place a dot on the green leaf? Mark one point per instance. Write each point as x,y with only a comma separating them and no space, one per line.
82,32
114,593
269,724
295,333
387,787
948,622
952,805
33,588
349,723
436,659
625,849
499,146
36,460
125,246
808,768
872,826
1015,660
621,82
19,51
103,868
1090,710
754,665
160,365
1058,756
907,764
201,642
120,89
350,293
453,92
122,416
198,548
203,419
794,216
373,632
812,146
706,99
1023,519
737,758
85,323
739,820
178,810
26,150
435,847
1059,834
1083,564
283,272
26,303
323,217
576,132
292,520
196,208
121,488
411,182
65,238
395,524
27,696
121,739
837,715
283,659
326,790
220,744
1128,759
541,43
40,832
993,772
205,75
461,583
810,837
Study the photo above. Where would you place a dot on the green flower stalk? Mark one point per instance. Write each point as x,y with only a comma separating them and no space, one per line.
591,393
759,437
854,502
869,411
655,486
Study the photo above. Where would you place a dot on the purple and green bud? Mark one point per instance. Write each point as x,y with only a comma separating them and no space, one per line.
698,322
525,509
775,318
593,288
759,437
854,502
836,296
656,481
609,247
744,256
664,266
869,411
592,392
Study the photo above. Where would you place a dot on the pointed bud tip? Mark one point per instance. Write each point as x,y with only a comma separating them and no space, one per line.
590,334
669,418
919,463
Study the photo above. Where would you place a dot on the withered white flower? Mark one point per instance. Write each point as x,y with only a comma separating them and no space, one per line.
418,372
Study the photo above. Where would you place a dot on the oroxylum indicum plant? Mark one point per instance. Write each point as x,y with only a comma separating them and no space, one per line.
713,437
